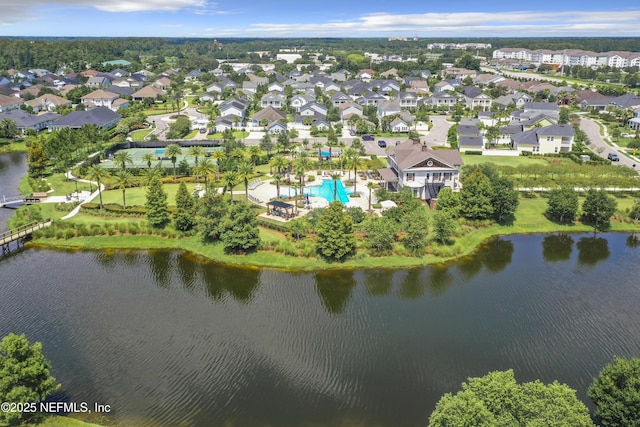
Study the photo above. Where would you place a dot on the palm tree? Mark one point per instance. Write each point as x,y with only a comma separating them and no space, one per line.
238,153
349,154
123,180
151,173
196,151
302,165
218,156
335,177
98,173
279,162
370,186
245,171
205,168
318,146
255,153
277,180
230,179
148,158
355,163
122,158
173,151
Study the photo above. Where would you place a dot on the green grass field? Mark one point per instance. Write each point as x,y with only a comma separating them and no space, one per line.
137,196
503,160
139,135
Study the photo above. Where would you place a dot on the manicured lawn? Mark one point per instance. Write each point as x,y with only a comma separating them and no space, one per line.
61,186
139,135
192,134
137,196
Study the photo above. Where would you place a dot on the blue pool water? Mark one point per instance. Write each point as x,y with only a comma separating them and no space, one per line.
326,191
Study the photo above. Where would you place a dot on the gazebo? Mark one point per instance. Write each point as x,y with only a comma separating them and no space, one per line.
279,208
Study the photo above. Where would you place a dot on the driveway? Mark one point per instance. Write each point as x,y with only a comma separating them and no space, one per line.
438,134
592,130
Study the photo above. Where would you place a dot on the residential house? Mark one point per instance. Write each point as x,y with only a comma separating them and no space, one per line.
626,101
339,98
408,100
487,118
467,130
366,75
98,82
273,99
234,107
193,75
399,125
634,122
313,108
470,143
162,83
275,87
546,140
443,86
518,99
370,98
148,92
348,109
99,116
8,103
25,121
425,171
267,116
275,128
476,100
99,98
548,108
443,99
48,102
388,108
299,100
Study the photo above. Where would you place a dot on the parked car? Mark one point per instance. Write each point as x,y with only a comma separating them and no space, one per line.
203,130
382,144
352,132
367,138
613,157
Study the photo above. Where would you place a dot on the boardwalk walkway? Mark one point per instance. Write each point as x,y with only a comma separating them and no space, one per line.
19,234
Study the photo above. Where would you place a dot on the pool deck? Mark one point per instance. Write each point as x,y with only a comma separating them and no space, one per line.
267,191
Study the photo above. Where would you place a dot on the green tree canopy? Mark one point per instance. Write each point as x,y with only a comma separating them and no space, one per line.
24,377
598,208
381,232
616,393
497,400
157,207
335,238
184,216
476,196
211,210
562,204
239,229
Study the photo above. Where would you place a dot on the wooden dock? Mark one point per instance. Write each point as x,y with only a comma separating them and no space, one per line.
19,234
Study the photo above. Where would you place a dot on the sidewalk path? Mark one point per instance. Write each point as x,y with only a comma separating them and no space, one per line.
87,200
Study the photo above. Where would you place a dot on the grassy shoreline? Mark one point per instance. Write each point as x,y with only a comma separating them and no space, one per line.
468,244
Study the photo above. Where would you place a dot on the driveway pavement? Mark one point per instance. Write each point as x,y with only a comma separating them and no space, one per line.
438,134
592,130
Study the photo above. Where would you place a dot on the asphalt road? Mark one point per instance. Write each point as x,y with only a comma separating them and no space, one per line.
592,130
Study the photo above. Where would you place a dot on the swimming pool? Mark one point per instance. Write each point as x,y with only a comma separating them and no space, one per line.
326,191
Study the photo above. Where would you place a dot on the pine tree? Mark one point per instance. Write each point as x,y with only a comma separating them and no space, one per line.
24,377
239,230
157,207
184,216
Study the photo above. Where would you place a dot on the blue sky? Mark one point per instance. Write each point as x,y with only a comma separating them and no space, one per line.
323,18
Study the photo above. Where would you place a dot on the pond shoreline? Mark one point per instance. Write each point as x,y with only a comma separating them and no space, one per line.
213,253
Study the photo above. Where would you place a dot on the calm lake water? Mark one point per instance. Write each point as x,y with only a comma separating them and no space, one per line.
167,339
12,168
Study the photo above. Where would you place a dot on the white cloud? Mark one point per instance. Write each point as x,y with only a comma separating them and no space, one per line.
14,12
520,23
